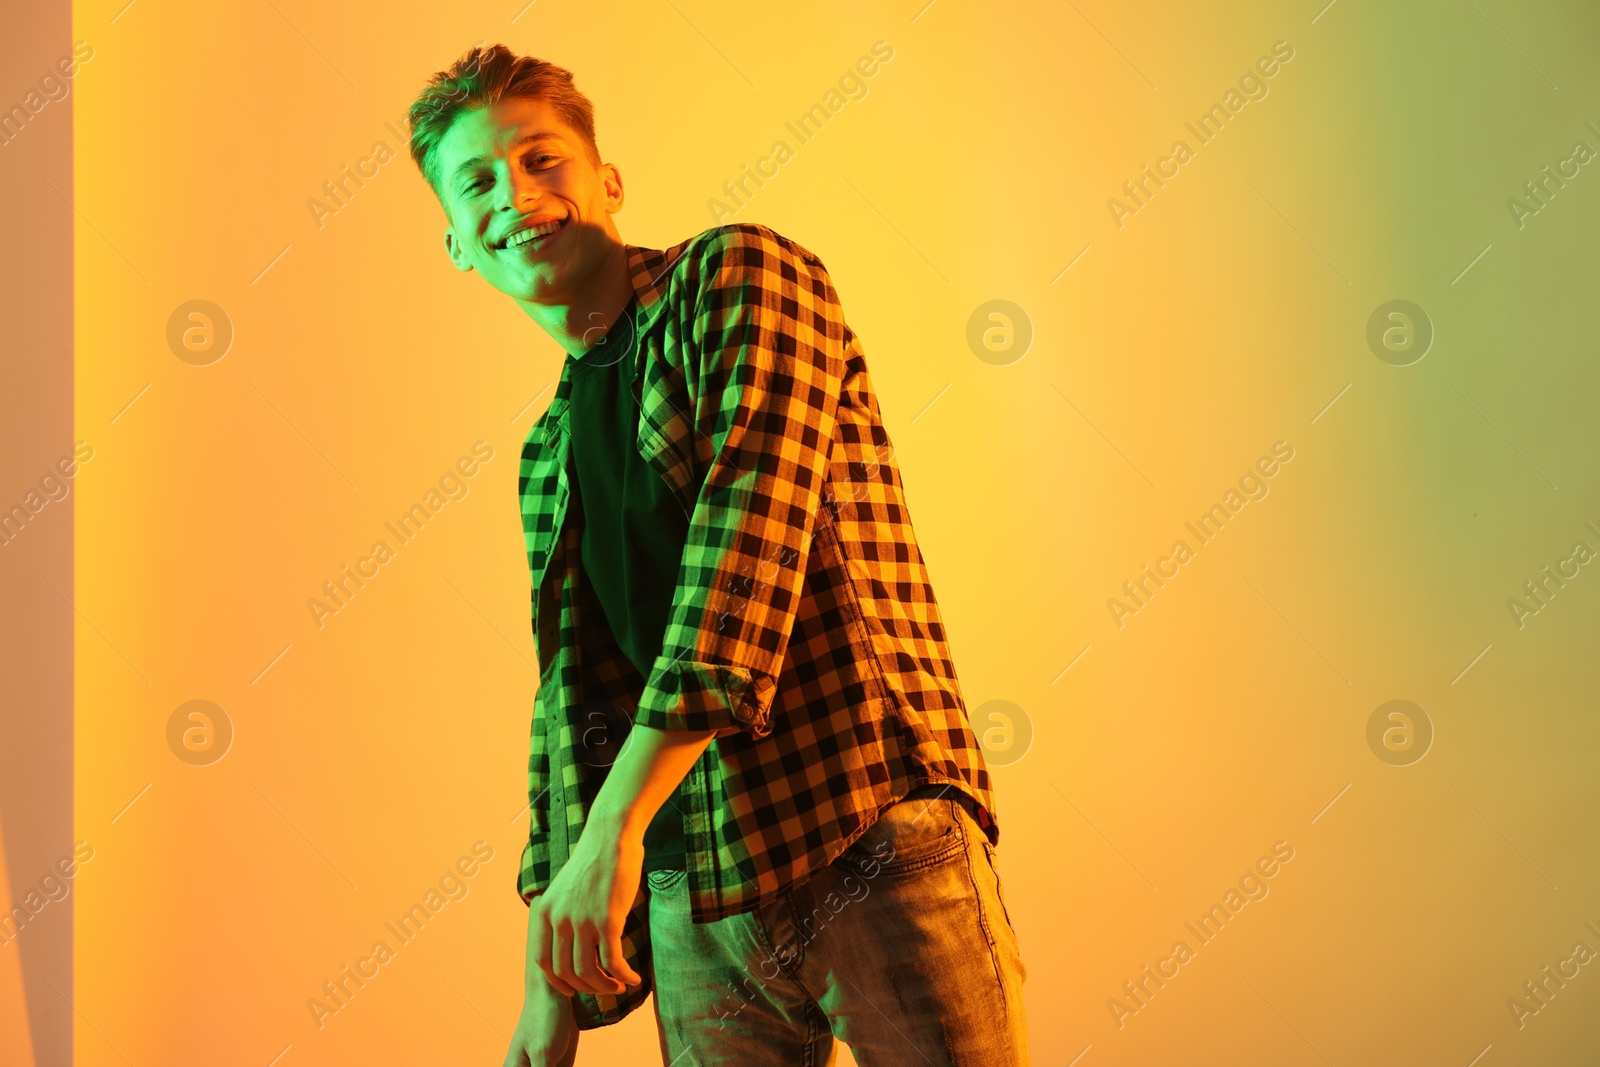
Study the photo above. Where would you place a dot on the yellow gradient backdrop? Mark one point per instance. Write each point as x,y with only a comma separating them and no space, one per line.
1146,759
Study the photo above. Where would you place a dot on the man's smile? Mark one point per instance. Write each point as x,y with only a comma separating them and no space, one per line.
537,235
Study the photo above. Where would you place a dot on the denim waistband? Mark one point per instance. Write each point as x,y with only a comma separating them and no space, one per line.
946,791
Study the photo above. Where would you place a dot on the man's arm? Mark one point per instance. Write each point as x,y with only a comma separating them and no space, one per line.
581,913
763,360
546,1033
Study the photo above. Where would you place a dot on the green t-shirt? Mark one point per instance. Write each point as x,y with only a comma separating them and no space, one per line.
634,530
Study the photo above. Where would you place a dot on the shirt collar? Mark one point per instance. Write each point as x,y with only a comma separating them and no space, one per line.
648,269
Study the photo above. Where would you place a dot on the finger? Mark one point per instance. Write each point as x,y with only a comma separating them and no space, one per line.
615,963
543,947
555,981
587,963
561,958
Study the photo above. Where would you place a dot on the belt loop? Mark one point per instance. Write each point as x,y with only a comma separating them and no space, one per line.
966,802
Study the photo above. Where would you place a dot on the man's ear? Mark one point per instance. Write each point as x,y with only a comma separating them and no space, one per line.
456,251
612,178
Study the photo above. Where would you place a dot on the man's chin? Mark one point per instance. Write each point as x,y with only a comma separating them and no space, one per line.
527,287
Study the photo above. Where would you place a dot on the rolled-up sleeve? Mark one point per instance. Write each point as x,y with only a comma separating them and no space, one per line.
764,364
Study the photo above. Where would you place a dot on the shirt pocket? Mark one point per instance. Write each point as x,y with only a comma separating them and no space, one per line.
665,436
669,462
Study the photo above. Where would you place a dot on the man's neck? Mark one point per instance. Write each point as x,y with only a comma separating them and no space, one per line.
581,322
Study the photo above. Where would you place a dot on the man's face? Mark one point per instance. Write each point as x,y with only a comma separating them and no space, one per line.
509,169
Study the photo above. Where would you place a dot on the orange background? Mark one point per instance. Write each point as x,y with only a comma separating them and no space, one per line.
371,753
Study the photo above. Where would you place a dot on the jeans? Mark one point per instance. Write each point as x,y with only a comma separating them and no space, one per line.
901,948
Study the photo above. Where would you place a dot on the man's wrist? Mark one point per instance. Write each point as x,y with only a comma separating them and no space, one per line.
638,784
538,988
614,825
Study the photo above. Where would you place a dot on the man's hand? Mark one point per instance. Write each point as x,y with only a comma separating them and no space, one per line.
575,937
546,1034
575,925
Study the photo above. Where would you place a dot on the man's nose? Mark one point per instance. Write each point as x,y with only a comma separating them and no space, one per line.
522,190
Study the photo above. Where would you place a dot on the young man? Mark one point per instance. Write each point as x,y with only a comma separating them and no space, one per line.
754,788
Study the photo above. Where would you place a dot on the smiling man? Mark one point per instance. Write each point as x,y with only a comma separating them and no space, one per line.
753,786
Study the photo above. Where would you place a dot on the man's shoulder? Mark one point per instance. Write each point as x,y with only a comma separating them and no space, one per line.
713,244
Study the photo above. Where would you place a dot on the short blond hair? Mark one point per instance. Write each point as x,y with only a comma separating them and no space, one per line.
483,76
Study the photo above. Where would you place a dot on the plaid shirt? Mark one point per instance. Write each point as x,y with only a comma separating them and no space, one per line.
803,620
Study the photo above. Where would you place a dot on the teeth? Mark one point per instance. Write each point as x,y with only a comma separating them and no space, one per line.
522,237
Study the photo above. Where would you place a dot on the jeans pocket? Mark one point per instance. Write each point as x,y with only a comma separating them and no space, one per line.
916,833
665,881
